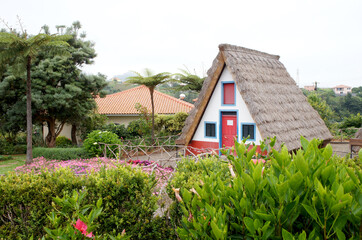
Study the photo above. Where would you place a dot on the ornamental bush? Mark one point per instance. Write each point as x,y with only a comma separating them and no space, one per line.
128,202
94,148
309,194
62,141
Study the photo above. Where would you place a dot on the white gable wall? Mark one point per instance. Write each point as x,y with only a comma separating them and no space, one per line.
214,108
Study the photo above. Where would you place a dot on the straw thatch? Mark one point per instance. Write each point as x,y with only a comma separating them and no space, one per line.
275,102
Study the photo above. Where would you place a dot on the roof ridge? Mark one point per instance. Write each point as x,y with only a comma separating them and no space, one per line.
124,91
176,99
234,48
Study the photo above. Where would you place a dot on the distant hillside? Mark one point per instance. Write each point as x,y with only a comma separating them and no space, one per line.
121,78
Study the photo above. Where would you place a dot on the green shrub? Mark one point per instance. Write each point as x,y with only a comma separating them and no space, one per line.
128,202
170,124
92,146
120,130
305,194
6,147
60,153
5,158
70,209
62,141
139,127
190,174
19,149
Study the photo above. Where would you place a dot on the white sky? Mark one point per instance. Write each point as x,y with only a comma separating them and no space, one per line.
321,38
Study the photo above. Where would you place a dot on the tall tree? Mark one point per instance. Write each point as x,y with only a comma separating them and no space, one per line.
150,80
63,93
20,50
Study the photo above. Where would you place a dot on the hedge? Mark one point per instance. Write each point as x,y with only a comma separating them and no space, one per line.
128,202
60,153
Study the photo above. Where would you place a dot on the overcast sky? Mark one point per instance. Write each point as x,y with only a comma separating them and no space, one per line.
323,39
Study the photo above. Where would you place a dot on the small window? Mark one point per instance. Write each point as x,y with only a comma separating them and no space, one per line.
229,93
210,130
248,130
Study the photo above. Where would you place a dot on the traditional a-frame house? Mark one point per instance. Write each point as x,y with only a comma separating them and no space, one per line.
250,93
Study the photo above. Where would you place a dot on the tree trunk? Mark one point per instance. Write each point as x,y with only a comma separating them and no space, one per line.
153,115
53,132
74,134
29,122
51,137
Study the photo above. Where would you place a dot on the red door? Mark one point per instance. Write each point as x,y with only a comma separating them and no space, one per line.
228,129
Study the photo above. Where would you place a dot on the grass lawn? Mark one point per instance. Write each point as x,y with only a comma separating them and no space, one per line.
10,165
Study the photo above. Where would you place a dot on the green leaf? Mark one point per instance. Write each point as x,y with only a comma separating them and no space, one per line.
257,172
264,216
282,189
99,203
229,210
236,226
340,235
326,172
295,181
257,224
186,195
216,230
341,222
311,211
301,163
249,224
249,183
251,154
304,143
265,227
360,155
352,175
240,149
340,192
339,206
302,236
327,153
287,235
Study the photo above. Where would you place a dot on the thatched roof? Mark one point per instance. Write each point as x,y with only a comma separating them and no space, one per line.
275,102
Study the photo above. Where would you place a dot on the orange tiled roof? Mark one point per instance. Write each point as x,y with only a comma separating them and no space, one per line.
123,103
342,86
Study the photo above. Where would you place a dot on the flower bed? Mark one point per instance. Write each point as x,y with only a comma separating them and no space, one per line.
86,166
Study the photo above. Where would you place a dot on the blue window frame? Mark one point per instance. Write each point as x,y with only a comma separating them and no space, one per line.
231,102
210,130
248,130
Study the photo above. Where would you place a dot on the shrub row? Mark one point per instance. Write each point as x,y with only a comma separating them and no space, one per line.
8,148
128,202
60,153
307,195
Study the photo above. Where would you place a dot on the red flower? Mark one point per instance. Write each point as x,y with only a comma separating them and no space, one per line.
82,227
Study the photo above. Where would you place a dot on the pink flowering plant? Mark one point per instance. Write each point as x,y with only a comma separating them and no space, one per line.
71,220
86,166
